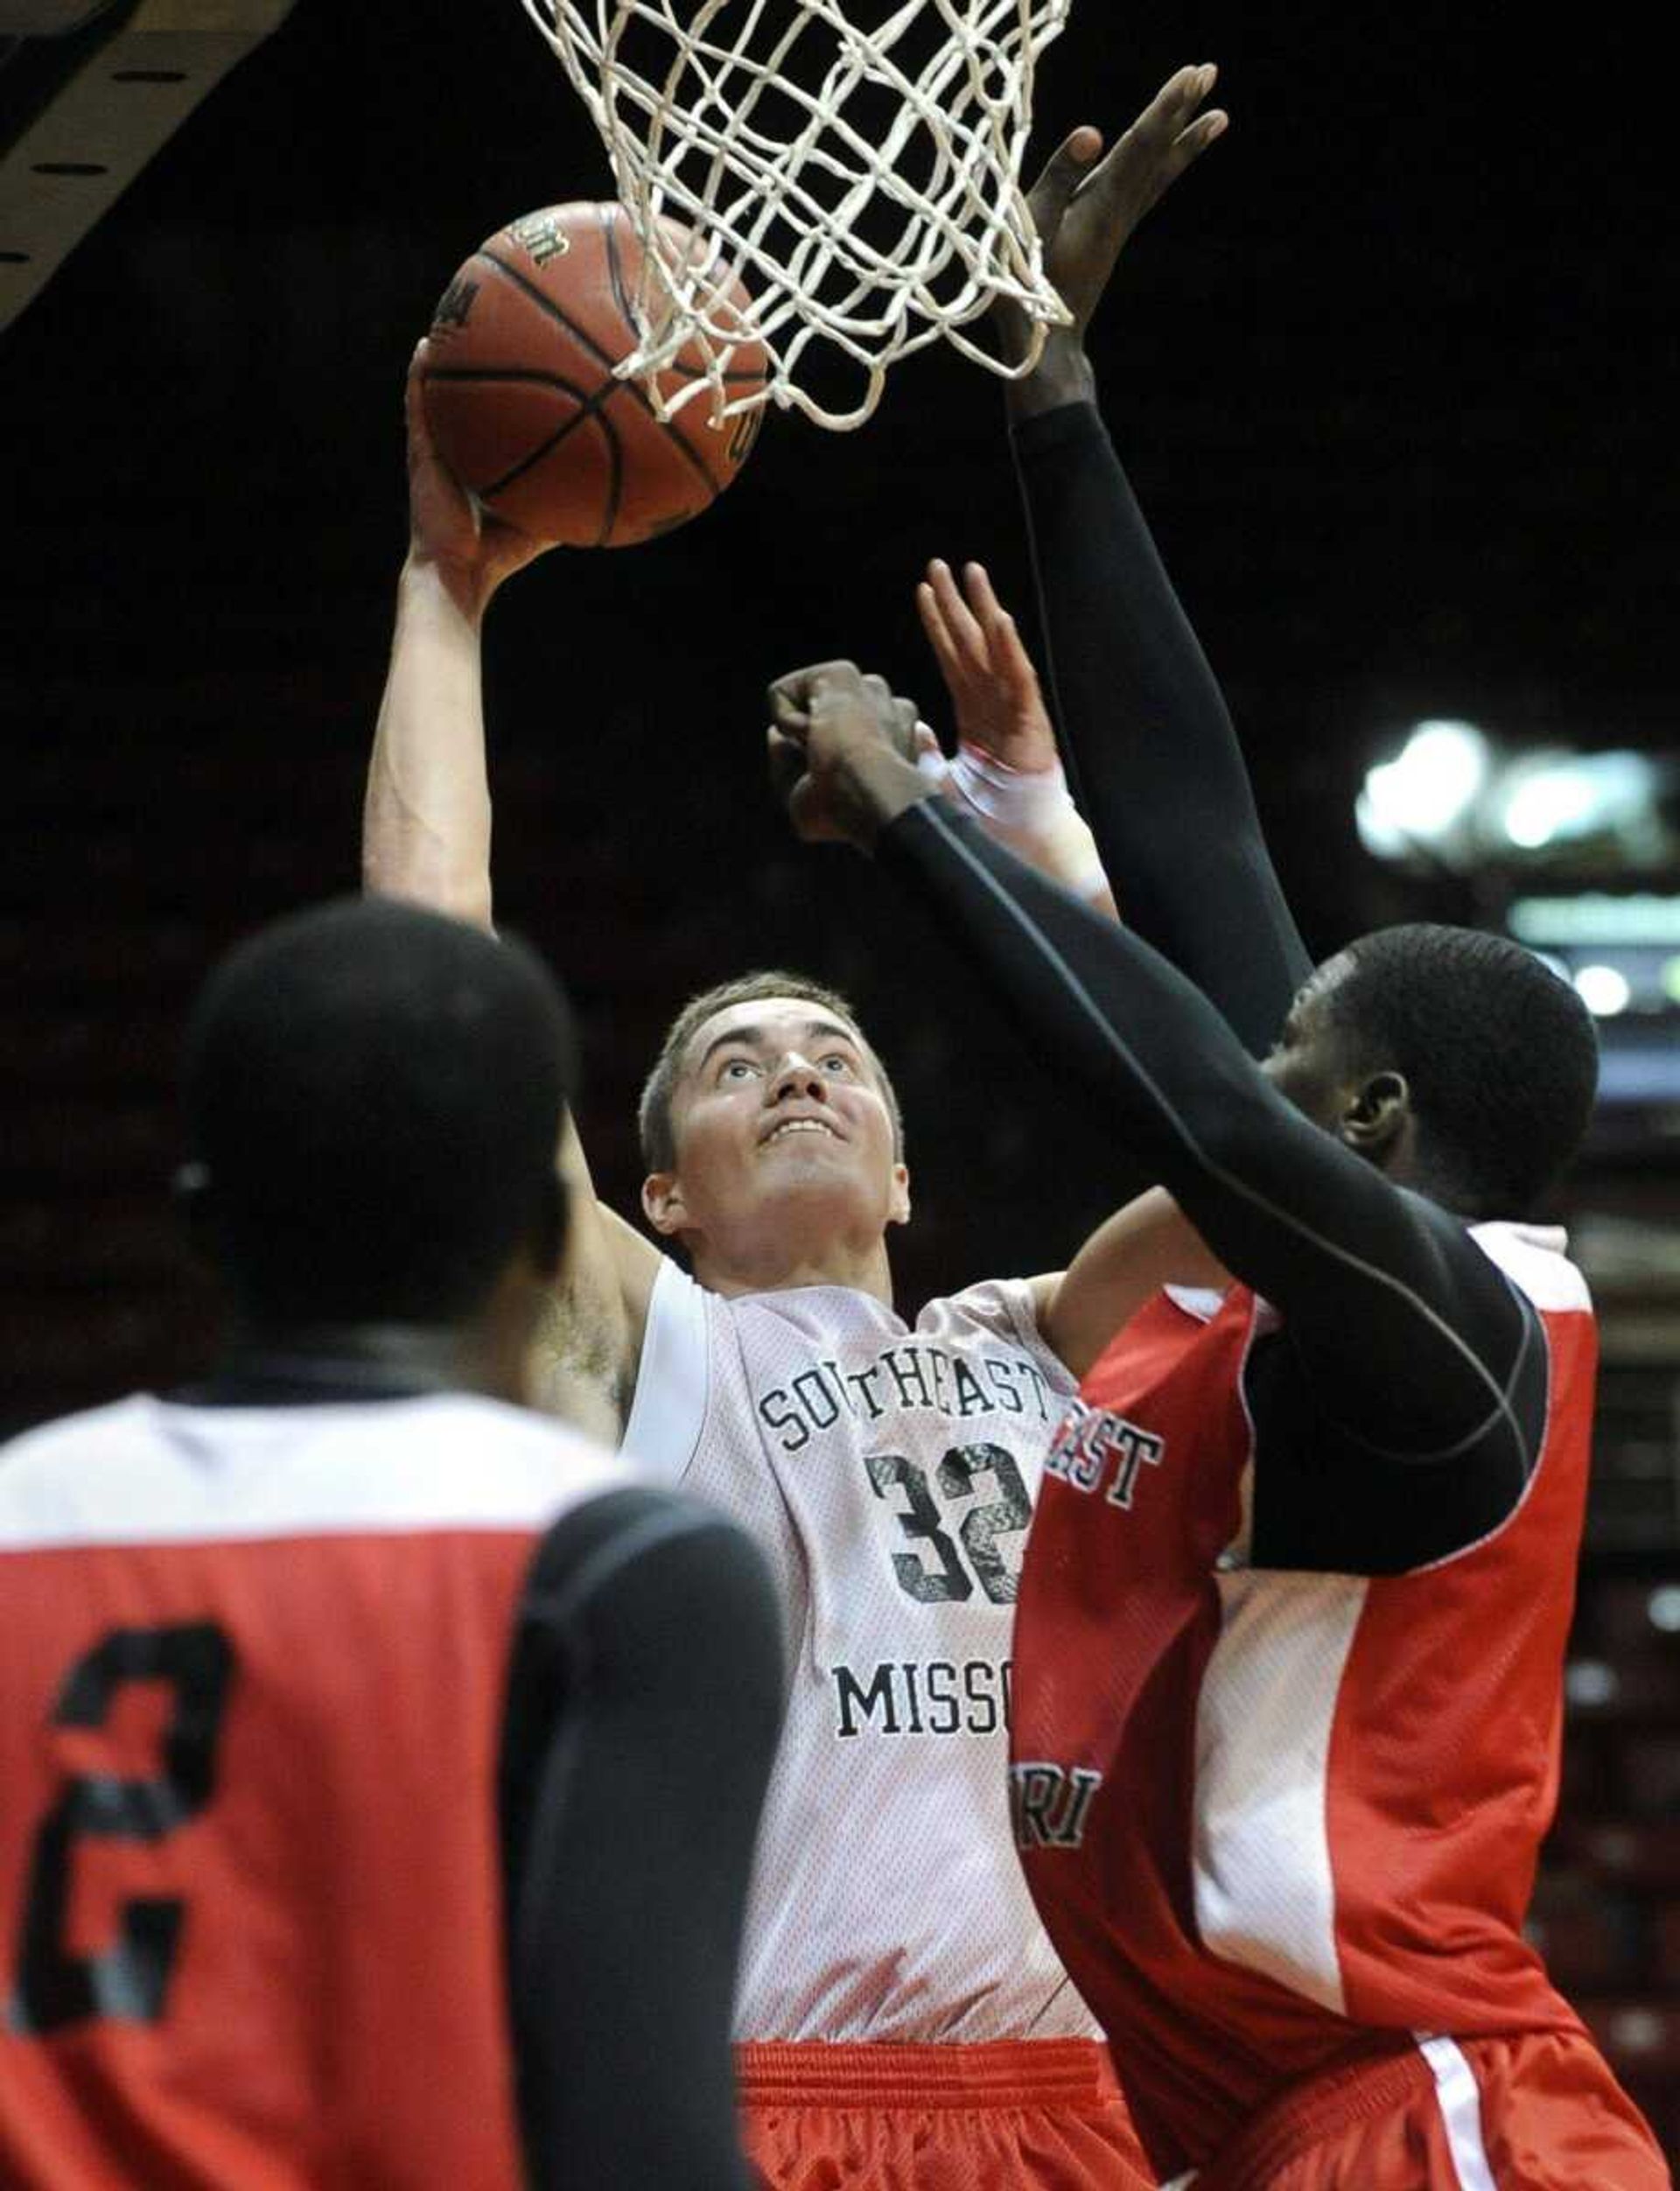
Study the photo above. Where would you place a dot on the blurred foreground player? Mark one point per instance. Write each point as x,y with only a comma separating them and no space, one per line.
904,2021
381,1761
1291,1635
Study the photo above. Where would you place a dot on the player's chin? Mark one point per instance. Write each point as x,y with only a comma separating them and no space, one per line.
817,1171
824,1176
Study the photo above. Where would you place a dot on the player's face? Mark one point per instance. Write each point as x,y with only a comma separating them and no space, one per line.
778,1116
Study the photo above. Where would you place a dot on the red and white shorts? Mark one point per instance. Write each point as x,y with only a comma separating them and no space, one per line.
1039,2115
1540,2112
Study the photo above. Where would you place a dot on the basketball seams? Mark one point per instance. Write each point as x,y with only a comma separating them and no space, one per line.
631,474
615,276
529,462
614,477
615,492
556,312
503,376
533,375
589,403
546,304
739,376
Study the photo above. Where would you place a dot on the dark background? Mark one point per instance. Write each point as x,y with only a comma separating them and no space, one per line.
1391,369
1394,372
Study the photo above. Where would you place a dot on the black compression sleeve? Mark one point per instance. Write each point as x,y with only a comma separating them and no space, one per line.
1150,747
643,1707
1410,1333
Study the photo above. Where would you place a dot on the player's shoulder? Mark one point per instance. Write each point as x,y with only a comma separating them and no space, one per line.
516,1439
49,1474
452,1459
1000,1308
1535,1260
150,1469
814,1313
110,1430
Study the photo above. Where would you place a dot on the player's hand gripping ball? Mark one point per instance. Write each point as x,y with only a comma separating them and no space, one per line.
521,400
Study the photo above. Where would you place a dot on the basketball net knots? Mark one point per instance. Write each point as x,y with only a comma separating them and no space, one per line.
734,122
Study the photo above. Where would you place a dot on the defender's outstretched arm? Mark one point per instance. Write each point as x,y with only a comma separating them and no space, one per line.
1412,1335
1150,747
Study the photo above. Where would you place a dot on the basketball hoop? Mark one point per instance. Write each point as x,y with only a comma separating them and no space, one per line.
855,162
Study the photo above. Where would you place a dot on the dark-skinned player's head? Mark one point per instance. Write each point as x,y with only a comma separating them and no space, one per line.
373,1098
1468,1039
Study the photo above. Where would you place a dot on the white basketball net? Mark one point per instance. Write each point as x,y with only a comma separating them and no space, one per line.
860,175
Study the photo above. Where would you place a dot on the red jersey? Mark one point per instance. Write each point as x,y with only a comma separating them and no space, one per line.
251,1710
1271,1816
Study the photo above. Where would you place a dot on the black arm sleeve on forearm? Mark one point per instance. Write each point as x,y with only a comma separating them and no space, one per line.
643,1706
1150,744
1411,1335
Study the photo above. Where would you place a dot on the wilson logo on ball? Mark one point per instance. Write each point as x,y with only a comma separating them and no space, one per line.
540,234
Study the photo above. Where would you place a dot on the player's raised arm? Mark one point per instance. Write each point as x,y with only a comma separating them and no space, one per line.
1006,773
1152,750
426,816
1414,1338
426,821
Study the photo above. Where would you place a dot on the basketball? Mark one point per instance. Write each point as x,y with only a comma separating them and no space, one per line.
521,400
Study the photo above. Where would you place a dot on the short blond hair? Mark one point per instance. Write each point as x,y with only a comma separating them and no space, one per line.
654,1112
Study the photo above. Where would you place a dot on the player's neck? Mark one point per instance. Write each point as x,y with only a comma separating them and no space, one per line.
365,1360
778,1268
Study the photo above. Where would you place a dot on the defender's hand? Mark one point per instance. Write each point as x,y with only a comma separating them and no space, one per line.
472,551
995,693
1086,213
842,753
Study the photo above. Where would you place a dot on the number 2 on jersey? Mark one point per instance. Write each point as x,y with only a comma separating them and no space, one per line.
922,1518
129,1979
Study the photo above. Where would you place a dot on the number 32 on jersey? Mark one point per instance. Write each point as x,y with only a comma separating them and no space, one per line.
951,1540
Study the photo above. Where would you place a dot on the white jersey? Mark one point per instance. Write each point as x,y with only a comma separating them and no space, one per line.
889,1474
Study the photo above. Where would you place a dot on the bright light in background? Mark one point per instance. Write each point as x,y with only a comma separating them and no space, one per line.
1595,917
1602,989
1589,1681
1430,785
1670,978
1563,795
1552,802
1450,798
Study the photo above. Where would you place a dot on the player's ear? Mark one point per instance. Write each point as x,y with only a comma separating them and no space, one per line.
898,1208
662,1205
1377,1117
195,1196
